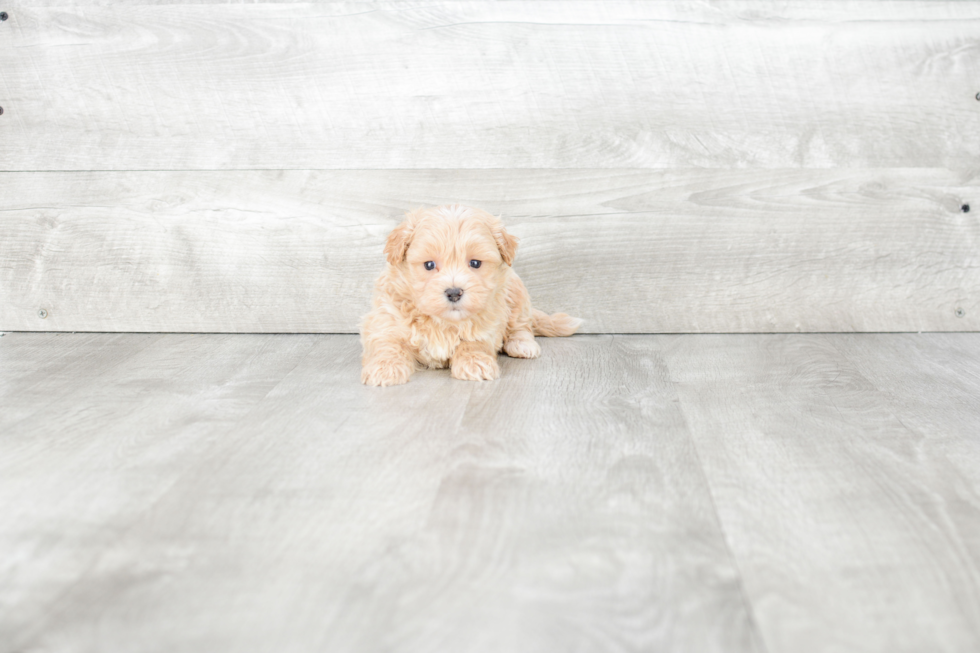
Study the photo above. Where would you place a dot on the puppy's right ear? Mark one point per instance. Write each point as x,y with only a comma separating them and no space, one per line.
399,239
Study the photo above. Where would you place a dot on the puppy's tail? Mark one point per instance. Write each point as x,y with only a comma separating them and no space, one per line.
558,324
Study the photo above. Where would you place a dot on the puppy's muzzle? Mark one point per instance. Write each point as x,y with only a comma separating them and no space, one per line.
453,294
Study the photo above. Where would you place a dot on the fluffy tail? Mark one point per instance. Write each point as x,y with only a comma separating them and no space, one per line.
558,324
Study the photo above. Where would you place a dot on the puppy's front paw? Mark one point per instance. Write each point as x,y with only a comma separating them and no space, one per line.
475,367
383,372
522,348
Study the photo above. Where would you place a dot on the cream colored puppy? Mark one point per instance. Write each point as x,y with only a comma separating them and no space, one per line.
449,298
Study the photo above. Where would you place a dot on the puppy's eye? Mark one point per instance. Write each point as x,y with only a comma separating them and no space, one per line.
474,263
430,265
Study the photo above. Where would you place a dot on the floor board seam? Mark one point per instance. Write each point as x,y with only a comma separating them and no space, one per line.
746,600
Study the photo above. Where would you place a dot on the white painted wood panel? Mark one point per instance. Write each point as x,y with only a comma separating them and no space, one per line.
132,85
627,250
248,493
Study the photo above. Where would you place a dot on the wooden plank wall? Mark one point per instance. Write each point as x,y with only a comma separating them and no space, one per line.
670,166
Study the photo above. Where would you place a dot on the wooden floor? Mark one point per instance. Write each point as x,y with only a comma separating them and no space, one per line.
202,493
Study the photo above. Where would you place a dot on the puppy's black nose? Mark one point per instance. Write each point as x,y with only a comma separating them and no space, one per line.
454,294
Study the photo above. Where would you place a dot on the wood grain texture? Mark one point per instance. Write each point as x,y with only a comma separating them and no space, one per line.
244,492
82,468
851,518
935,392
39,372
489,85
247,493
627,250
745,9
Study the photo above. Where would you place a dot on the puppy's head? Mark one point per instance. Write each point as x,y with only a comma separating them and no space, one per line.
451,259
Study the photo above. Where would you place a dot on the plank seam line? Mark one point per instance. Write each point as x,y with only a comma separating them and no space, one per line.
749,607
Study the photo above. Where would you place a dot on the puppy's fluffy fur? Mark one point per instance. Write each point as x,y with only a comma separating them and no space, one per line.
416,324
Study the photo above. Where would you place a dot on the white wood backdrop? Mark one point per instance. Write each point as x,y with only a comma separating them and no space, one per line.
670,166
488,84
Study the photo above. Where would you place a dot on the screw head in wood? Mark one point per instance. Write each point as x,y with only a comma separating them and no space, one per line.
1,111
965,208
42,313
959,312
3,16
978,97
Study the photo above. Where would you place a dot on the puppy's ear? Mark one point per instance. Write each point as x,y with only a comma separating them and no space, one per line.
399,240
506,243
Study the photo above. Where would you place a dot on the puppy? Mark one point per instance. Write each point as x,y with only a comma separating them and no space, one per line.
449,298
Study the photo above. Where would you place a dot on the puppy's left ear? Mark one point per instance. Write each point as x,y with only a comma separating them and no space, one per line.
506,243
399,239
